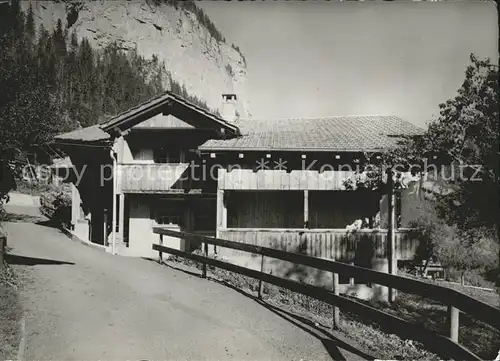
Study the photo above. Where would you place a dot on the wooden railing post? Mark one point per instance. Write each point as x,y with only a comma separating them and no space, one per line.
453,315
391,236
261,286
205,253
336,313
351,279
161,244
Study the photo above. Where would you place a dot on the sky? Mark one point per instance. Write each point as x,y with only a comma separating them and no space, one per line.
318,58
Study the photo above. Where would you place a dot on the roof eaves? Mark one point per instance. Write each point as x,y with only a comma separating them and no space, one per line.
124,116
83,143
159,100
271,149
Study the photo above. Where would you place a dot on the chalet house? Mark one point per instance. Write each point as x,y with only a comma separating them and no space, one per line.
280,183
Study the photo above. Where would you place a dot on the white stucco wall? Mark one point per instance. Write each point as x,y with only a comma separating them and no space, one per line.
82,230
142,155
141,236
127,154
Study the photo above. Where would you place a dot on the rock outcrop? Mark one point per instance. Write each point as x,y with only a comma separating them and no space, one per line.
207,67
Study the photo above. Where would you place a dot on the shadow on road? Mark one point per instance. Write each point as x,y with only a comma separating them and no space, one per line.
30,261
15,217
179,269
330,343
19,217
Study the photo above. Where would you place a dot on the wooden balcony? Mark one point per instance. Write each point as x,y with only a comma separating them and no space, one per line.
152,178
334,244
247,179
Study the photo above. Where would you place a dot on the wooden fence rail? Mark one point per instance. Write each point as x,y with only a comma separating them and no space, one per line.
440,344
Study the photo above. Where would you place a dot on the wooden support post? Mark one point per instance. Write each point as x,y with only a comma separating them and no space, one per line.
453,315
351,279
306,208
204,271
261,285
121,217
161,244
336,312
105,228
75,205
188,224
391,239
221,212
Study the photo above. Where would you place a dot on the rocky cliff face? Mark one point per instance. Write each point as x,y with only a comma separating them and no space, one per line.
205,66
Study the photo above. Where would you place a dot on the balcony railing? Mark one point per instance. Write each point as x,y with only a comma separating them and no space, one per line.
152,178
335,244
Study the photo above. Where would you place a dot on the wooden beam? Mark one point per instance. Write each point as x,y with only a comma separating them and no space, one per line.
75,205
121,216
391,237
120,149
453,314
271,179
336,311
306,209
221,211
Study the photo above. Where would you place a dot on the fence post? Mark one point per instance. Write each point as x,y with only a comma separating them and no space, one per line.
351,279
453,314
391,236
161,244
205,251
261,286
336,313
3,246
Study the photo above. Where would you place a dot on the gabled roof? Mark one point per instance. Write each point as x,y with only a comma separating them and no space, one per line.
341,133
94,133
161,121
148,114
133,116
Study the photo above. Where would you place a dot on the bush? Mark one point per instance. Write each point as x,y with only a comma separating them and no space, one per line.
2,211
471,255
476,251
33,188
56,205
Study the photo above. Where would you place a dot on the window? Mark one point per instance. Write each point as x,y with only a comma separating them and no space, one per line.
168,155
142,154
265,209
169,219
168,212
205,221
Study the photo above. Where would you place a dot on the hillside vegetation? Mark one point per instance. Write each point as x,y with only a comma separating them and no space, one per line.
52,82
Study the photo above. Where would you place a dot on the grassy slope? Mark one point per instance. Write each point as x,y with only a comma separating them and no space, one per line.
10,315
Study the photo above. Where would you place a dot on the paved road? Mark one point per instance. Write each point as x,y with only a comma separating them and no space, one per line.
85,304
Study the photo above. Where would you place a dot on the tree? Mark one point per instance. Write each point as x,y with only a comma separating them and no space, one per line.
466,133
464,139
30,25
59,40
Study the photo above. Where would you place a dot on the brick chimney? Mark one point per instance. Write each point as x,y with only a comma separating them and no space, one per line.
229,107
